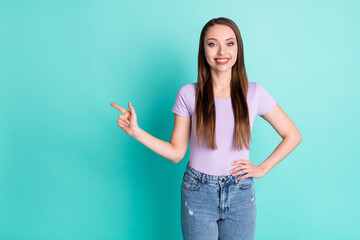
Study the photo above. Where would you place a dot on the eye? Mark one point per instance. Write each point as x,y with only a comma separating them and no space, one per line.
210,44
232,43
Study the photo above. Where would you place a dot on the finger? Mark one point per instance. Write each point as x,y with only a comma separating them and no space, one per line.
244,174
123,118
123,123
238,168
121,109
240,161
239,172
132,110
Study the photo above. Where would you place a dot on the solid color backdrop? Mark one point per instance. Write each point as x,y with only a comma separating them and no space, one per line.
67,171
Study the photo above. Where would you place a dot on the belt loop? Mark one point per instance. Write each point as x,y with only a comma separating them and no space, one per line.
202,178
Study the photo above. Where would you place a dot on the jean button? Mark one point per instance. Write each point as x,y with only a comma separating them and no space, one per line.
223,180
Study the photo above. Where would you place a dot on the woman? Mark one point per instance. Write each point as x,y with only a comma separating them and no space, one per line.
218,192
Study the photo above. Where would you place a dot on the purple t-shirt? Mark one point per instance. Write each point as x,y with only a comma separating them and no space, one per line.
218,162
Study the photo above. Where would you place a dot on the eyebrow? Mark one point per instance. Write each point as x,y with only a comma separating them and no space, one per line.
216,39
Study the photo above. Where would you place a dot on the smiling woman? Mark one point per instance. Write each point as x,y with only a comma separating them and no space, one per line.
220,48
217,114
221,71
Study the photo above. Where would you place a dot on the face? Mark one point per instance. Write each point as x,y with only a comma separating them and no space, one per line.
220,48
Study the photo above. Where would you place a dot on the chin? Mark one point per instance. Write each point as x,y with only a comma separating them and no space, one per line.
223,69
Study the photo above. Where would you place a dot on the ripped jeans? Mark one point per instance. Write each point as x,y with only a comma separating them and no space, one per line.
217,207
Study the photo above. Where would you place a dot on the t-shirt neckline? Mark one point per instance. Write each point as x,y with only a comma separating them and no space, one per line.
222,98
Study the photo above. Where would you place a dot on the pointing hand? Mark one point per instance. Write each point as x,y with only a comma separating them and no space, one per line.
127,121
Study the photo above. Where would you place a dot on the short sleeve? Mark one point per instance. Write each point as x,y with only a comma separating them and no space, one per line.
265,101
180,106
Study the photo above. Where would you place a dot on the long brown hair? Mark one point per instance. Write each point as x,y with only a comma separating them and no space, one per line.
205,103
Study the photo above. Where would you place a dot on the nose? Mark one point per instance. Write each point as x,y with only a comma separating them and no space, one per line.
221,50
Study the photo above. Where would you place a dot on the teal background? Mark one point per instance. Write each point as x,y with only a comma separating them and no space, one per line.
67,171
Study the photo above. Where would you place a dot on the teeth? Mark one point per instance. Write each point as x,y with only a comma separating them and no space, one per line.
222,60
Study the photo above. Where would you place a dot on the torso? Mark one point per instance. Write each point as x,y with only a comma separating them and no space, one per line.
218,162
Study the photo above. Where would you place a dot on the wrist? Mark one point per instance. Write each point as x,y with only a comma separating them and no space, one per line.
136,132
263,169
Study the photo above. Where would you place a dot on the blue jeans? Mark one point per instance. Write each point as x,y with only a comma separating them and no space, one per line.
217,207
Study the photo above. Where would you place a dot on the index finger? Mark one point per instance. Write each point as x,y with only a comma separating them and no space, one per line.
123,110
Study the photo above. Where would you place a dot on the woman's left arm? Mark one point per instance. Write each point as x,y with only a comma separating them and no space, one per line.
286,128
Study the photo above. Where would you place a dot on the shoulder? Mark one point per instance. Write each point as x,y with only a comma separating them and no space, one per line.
257,88
252,86
189,89
191,85
258,91
187,92
188,86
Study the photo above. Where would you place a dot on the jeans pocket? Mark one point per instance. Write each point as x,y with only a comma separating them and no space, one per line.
246,183
190,182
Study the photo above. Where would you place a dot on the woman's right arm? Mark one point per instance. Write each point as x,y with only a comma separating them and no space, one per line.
174,150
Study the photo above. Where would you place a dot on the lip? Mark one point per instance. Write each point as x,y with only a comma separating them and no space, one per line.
221,63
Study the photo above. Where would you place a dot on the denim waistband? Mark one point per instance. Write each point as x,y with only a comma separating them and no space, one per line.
207,178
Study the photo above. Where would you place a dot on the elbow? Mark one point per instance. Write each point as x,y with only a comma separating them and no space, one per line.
178,159
295,137
178,155
298,136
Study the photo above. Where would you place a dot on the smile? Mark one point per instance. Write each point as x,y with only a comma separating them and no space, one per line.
222,60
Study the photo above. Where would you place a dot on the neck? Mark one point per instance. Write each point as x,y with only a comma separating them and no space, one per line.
221,80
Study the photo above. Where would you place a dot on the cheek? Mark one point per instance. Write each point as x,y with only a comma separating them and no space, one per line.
209,52
234,52
208,56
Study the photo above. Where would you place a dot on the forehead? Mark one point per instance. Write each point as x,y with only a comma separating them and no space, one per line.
220,32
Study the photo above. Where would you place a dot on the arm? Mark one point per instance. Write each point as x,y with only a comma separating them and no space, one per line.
286,128
174,150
